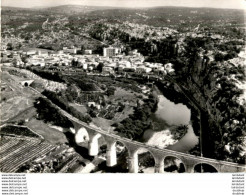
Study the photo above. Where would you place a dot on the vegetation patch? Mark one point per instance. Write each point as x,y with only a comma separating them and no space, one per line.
179,131
18,130
59,101
48,113
136,124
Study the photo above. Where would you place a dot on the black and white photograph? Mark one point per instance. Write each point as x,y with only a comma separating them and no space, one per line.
123,86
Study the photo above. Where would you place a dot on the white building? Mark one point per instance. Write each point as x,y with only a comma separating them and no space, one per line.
111,51
31,52
88,52
98,106
71,51
85,66
169,67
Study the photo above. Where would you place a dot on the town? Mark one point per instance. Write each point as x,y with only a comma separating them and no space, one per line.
123,94
111,61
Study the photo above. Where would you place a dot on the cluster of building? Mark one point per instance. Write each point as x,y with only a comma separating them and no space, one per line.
112,60
144,31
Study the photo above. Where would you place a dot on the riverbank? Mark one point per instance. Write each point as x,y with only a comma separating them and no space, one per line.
160,139
173,93
170,124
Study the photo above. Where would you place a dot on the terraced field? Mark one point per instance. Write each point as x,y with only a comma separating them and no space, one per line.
14,151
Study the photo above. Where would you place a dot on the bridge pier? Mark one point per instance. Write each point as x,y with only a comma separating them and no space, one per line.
93,148
133,163
111,154
189,168
93,145
159,166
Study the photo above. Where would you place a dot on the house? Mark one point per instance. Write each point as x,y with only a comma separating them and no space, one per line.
141,69
94,104
71,50
85,66
169,67
60,52
42,53
36,61
130,69
161,69
88,52
90,68
17,62
30,52
121,68
107,70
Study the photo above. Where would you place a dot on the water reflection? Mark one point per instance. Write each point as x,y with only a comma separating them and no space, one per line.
168,115
171,113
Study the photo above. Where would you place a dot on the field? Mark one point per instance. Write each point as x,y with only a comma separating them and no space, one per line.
124,96
119,116
62,159
103,123
20,144
80,108
21,131
14,151
17,106
22,154
13,106
14,97
50,134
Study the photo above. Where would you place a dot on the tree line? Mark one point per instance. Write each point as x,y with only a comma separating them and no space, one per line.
63,104
50,114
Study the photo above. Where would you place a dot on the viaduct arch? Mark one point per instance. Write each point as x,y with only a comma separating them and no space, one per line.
206,164
159,154
173,159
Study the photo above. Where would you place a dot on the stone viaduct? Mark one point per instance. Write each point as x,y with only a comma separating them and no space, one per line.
86,133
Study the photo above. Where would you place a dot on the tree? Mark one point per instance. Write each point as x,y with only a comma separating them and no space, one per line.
9,46
219,57
19,45
92,112
74,63
110,91
100,66
72,93
154,34
230,55
99,50
127,50
82,49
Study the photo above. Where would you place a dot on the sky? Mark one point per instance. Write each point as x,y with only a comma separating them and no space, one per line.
237,4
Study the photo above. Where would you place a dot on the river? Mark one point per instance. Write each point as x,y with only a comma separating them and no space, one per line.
167,116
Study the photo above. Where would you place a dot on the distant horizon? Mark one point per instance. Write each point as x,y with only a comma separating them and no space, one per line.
116,7
220,4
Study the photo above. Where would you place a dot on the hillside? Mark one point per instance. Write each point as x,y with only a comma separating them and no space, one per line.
71,25
71,9
172,16
158,16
